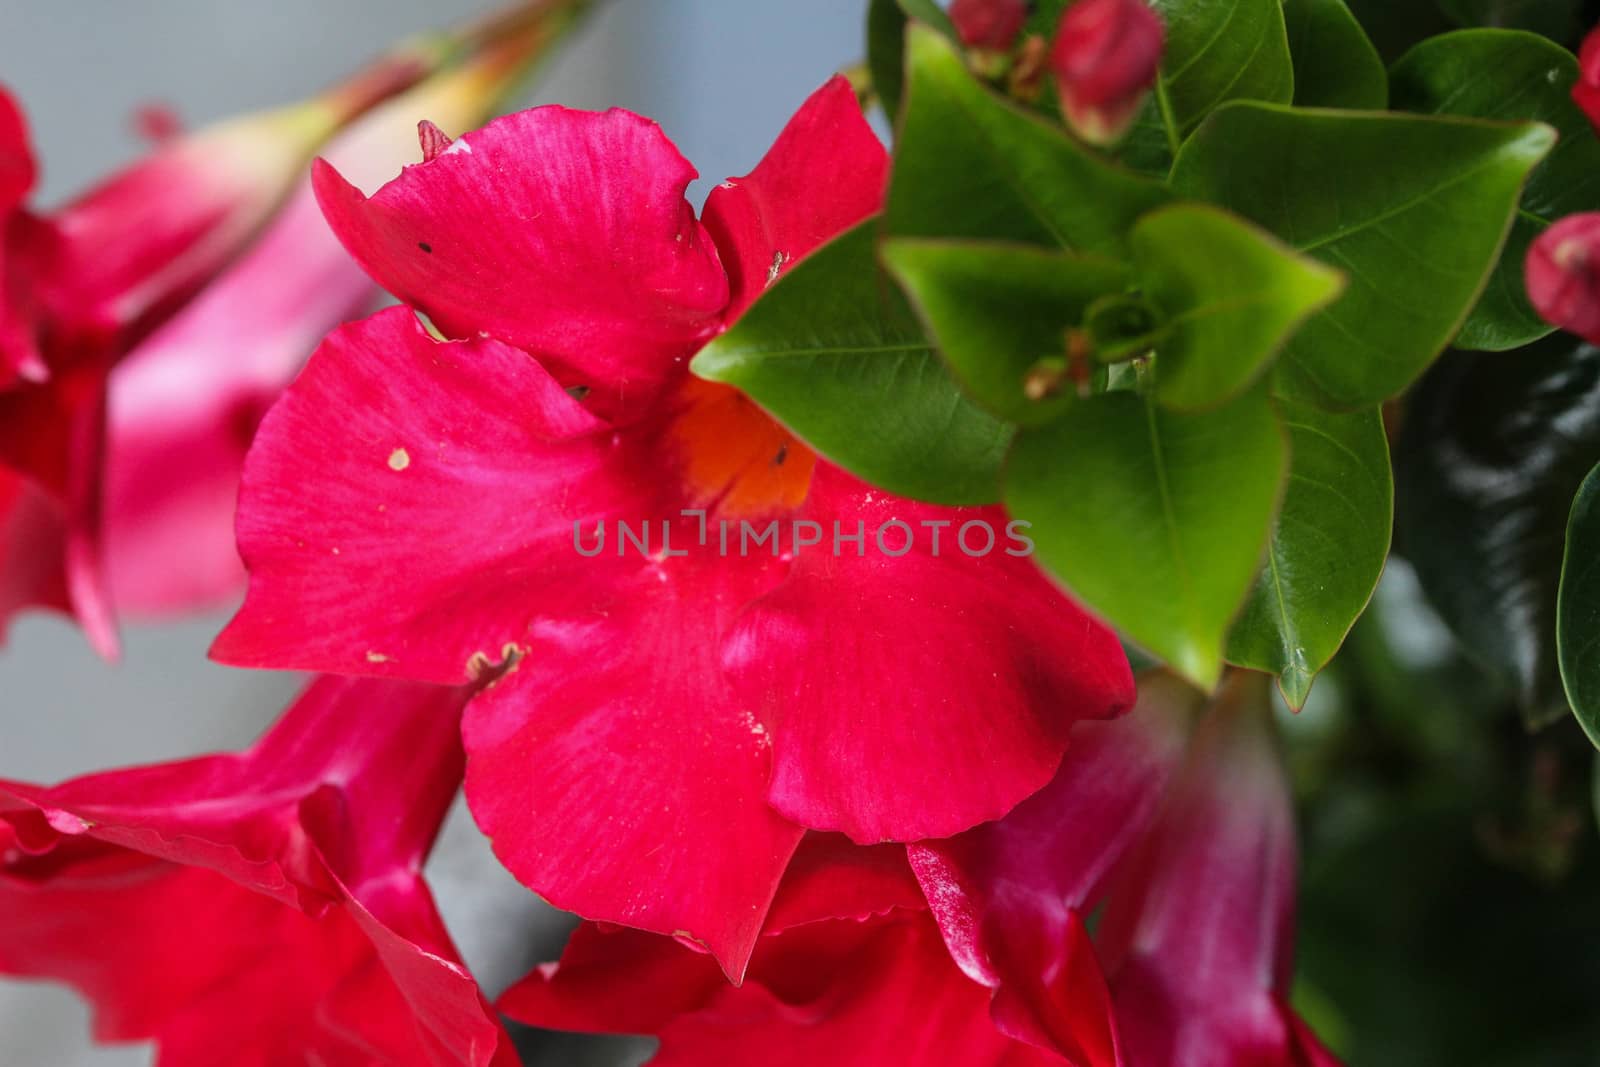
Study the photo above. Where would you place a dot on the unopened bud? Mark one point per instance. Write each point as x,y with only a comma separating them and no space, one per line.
1563,275
1105,59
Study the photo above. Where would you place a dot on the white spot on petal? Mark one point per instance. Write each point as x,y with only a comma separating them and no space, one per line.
399,459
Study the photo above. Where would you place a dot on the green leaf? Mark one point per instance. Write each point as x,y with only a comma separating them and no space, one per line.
834,353
1230,294
1578,608
995,310
1327,550
1221,50
1334,63
1507,74
886,55
1493,449
1412,208
972,164
1154,519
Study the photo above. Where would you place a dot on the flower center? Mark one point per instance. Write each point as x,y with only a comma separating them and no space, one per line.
735,459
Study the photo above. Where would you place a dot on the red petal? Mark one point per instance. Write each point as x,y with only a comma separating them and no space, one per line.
19,355
1196,974
137,888
613,980
620,778
32,549
878,730
830,878
825,173
185,403
408,506
563,232
895,1000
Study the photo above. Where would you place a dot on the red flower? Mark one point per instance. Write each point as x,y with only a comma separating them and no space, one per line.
101,297
989,24
260,909
1586,90
1105,59
849,971
672,723
1563,275
185,402
1195,940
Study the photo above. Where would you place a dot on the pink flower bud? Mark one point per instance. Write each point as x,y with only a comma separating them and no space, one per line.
989,24
1105,59
1586,93
1563,275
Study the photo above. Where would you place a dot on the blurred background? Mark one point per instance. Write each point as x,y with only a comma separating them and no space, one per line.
721,76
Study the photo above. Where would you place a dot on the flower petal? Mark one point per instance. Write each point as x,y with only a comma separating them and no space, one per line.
19,353
916,695
896,999
160,892
1197,976
826,172
563,232
408,507
32,549
617,774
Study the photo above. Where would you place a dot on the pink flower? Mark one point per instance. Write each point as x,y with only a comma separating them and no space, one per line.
184,403
1586,90
103,296
670,723
989,24
849,971
1105,59
1196,881
258,909
1563,275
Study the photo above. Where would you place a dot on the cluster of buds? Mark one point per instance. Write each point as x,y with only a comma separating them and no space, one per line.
1104,58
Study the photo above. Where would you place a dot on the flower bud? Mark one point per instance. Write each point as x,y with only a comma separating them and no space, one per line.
1563,275
1586,91
991,25
1105,58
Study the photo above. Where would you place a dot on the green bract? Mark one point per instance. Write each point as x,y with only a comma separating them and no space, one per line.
1334,63
1124,504
1578,615
971,164
1327,550
996,310
1414,209
1230,295
1217,51
1507,74
834,352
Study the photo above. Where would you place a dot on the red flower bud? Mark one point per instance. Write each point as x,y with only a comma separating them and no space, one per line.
1563,275
1105,59
989,24
1586,93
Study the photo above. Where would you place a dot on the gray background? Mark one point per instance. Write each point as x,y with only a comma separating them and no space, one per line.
721,76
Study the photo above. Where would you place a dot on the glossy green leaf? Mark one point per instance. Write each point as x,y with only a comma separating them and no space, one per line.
1507,74
1412,208
886,52
971,164
1493,449
1578,608
1230,295
1327,550
834,352
1156,520
1334,63
1221,50
995,310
